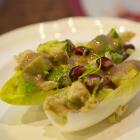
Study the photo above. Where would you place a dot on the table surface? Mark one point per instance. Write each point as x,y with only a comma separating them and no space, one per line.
17,13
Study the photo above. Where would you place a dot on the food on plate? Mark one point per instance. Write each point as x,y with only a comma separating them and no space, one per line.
78,85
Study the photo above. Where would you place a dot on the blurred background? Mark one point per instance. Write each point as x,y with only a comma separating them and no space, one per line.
17,13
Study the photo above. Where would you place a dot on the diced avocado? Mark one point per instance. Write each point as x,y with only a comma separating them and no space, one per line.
105,43
116,39
75,103
24,58
116,57
100,44
55,49
40,65
50,46
113,33
78,93
60,75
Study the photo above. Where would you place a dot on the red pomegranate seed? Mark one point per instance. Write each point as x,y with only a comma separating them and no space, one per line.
128,50
108,83
106,63
129,46
81,50
76,72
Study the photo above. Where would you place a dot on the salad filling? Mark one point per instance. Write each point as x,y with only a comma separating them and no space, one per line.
69,77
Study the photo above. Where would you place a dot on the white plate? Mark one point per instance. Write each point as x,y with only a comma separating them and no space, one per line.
25,123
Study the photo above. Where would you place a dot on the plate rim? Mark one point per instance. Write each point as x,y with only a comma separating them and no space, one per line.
77,18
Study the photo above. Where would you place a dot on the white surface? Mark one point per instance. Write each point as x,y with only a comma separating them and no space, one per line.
109,7
25,123
100,7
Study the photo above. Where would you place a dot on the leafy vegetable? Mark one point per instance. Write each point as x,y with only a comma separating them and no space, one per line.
117,58
93,69
113,33
60,75
126,36
129,84
88,71
21,91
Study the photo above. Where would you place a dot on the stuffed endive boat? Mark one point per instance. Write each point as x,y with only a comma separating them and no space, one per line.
78,85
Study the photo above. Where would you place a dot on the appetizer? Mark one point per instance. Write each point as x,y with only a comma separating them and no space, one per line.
78,85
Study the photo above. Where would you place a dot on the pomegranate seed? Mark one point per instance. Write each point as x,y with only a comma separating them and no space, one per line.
81,50
76,72
92,80
106,63
108,83
129,46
